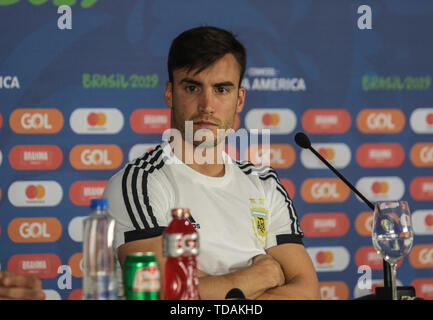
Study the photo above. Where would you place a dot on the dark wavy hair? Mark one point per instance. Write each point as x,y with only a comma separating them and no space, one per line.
199,47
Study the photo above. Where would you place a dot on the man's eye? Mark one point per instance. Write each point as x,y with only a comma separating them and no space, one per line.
222,90
191,88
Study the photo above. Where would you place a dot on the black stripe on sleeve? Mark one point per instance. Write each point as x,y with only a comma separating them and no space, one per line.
143,234
289,238
125,197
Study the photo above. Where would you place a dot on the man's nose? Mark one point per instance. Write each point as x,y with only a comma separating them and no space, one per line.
206,102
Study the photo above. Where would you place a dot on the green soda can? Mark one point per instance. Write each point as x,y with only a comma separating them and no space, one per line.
141,276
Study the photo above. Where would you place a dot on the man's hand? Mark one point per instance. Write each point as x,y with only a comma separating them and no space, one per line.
271,268
20,287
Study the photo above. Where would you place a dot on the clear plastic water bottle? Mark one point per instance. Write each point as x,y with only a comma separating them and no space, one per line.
99,267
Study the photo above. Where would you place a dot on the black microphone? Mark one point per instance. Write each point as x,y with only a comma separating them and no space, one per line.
235,294
303,141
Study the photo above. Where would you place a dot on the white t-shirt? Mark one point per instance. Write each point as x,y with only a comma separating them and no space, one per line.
237,216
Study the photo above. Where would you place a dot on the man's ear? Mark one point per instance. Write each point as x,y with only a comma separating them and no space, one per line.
241,100
168,94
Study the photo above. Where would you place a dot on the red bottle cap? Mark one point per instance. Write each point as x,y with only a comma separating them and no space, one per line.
180,213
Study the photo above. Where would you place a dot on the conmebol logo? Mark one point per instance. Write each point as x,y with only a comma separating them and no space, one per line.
338,154
422,221
327,259
278,121
96,121
35,193
421,120
381,188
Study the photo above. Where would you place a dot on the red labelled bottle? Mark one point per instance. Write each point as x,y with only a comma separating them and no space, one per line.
180,248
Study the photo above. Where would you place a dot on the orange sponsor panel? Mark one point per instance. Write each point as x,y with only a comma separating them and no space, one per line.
326,121
76,265
23,230
334,290
421,188
38,265
334,224
421,155
421,256
35,157
380,121
289,186
363,223
76,294
278,156
96,157
423,288
150,120
367,255
1,120
324,190
36,121
81,192
380,155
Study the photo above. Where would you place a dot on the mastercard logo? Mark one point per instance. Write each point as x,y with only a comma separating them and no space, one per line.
96,157
23,230
324,190
81,192
328,259
326,121
35,193
76,265
150,120
380,121
338,154
421,155
39,265
325,224
335,290
279,156
381,188
35,157
422,221
380,155
324,257
421,120
96,121
38,121
421,188
423,288
278,121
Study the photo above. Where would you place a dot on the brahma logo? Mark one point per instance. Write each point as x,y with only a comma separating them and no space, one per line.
325,224
380,155
35,193
39,265
422,221
76,265
368,256
421,155
381,188
34,230
278,156
421,256
278,121
324,190
336,290
338,154
150,120
364,223
327,259
96,121
35,157
36,121
421,188
423,288
96,157
138,150
380,121
421,120
81,192
326,121
75,229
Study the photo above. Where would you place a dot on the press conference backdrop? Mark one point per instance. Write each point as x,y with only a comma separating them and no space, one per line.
77,104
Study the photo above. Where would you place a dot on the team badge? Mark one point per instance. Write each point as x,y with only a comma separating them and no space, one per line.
259,217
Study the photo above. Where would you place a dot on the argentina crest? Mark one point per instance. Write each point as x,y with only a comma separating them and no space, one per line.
259,217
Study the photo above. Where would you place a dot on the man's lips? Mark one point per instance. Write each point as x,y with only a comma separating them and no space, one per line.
205,124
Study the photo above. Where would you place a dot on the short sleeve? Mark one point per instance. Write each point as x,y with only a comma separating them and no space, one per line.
283,224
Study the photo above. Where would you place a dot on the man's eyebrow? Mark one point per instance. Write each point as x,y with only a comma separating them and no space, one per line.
191,81
224,84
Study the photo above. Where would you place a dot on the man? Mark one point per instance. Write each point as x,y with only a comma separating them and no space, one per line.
248,229
20,287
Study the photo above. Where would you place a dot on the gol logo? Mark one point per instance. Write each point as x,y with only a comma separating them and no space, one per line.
34,230
423,288
150,120
289,186
96,157
39,265
326,121
380,121
270,119
36,121
325,224
421,188
336,290
421,256
421,155
276,155
324,190
375,155
364,223
81,192
96,119
35,157
76,265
